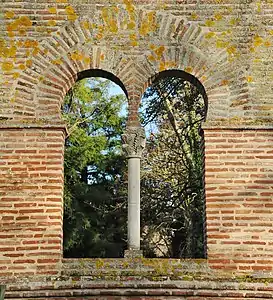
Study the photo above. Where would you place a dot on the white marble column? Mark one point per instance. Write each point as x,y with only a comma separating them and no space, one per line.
133,146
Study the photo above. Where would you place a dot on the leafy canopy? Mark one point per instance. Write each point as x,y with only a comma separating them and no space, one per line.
93,168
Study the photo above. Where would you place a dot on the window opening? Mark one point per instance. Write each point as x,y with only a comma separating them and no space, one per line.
95,211
172,190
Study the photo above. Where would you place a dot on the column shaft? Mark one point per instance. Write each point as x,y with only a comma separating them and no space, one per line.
134,203
133,146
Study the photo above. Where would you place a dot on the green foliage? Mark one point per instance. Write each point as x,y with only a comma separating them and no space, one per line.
172,185
95,216
94,222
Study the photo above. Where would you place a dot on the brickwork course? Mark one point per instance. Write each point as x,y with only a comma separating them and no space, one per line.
226,45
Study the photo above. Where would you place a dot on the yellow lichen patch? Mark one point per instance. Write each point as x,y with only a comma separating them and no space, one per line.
11,34
131,25
22,32
113,26
57,61
148,24
86,25
209,35
99,263
151,58
258,41
133,40
15,75
102,57
159,51
129,6
224,82
188,69
99,36
9,14
101,31
8,52
22,67
259,7
29,63
52,10
25,21
12,26
209,23
71,14
231,50
87,60
194,16
51,23
267,43
61,1
151,16
72,17
134,43
249,79
162,66
19,43
218,17
109,16
104,12
35,51
30,44
172,64
76,55
7,66
221,44
234,21
21,24
69,10
12,51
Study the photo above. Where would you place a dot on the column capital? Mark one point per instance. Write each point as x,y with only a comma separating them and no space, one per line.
133,141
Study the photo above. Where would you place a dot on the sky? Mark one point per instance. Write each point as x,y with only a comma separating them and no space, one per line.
115,90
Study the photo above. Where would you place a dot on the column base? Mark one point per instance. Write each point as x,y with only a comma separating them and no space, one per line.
133,253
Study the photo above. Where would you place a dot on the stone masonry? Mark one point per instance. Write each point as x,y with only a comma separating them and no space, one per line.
223,46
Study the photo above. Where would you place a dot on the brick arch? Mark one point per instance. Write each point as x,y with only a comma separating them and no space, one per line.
185,76
59,79
216,74
71,50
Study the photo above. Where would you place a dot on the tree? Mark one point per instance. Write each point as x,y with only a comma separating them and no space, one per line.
94,201
95,219
172,184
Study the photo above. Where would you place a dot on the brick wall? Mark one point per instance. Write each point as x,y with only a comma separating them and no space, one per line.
31,204
226,45
139,279
239,198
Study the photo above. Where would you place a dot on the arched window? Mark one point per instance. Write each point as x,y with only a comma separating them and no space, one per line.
172,188
94,177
